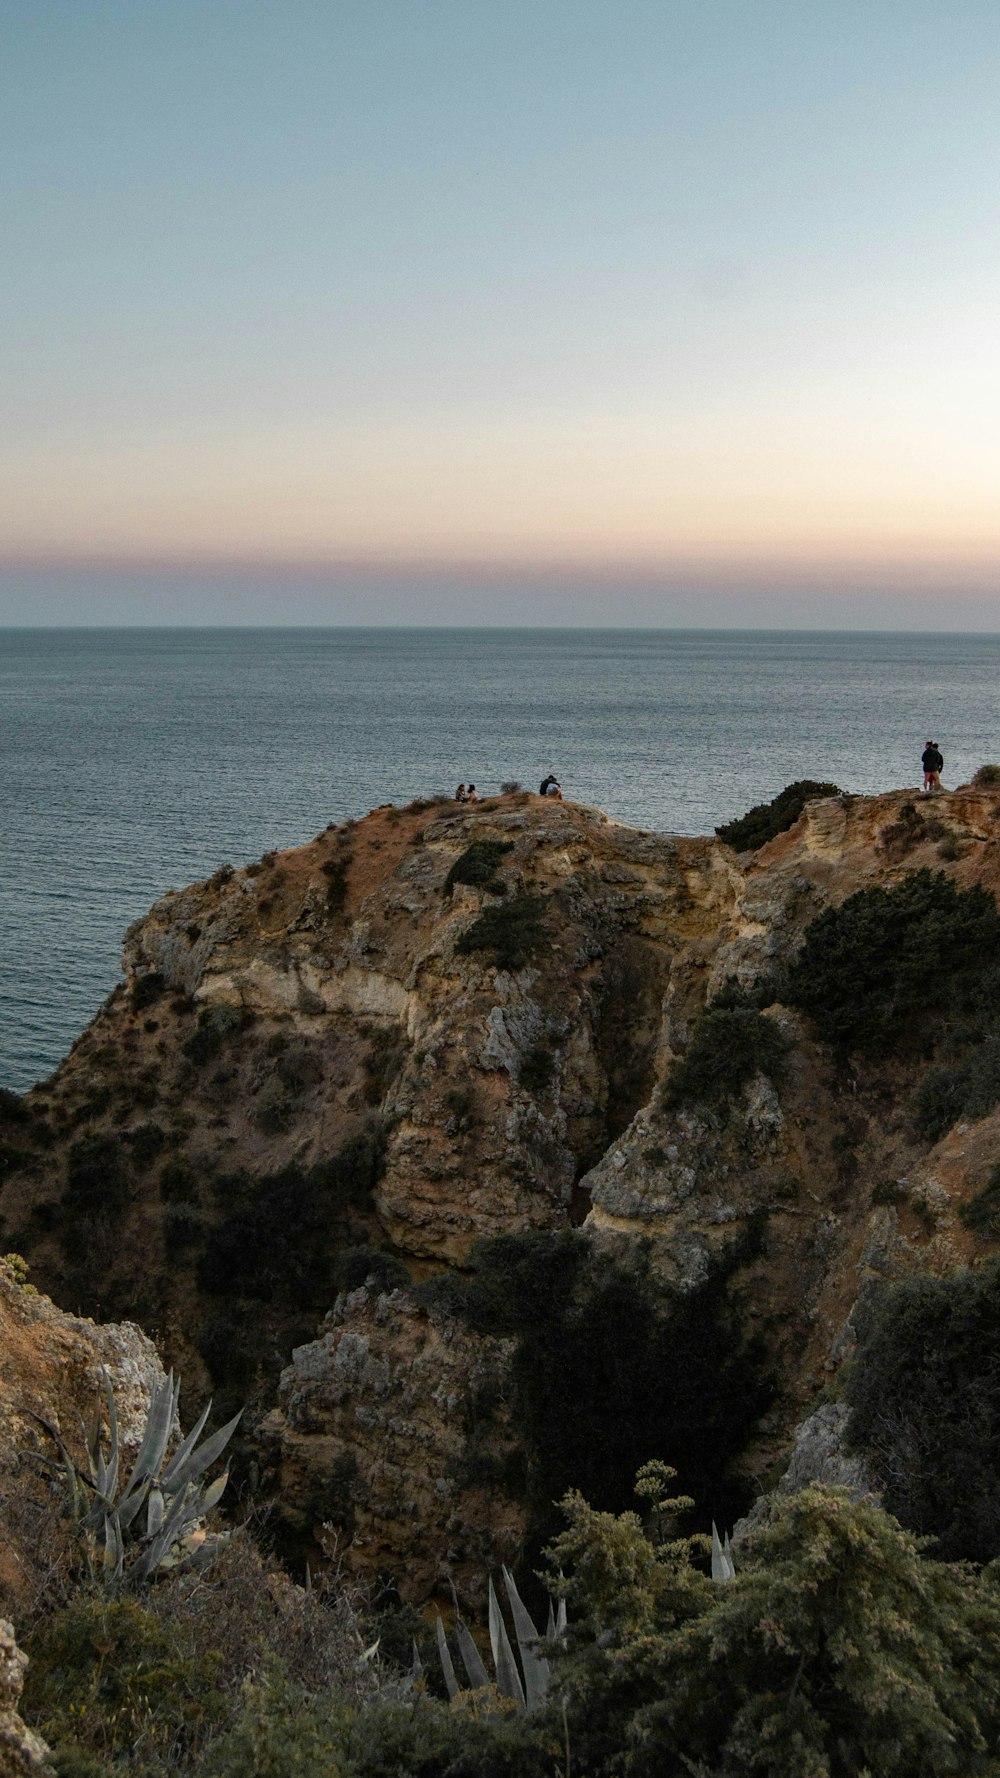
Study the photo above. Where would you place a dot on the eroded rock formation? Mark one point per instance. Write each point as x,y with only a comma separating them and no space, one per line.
311,1078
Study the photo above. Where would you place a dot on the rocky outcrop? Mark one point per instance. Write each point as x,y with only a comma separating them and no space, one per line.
376,1425
23,1754
51,1365
309,1063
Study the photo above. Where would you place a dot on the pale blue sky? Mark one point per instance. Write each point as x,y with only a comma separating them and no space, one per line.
687,298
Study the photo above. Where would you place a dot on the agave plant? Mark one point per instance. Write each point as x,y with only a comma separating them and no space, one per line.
132,1529
527,1686
723,1563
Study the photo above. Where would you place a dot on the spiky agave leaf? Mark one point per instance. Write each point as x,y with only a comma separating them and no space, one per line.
471,1657
508,1677
196,1462
533,1665
159,1425
447,1665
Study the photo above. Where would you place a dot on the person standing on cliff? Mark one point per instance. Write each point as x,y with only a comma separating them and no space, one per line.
933,764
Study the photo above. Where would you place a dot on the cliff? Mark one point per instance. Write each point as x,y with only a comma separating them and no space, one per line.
329,1075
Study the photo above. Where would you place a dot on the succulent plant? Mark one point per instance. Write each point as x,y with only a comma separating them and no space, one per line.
723,1563
131,1530
527,1686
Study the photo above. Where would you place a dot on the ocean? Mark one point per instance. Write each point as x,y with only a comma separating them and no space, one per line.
136,761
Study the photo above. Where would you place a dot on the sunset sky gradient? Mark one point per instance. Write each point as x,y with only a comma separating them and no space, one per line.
552,310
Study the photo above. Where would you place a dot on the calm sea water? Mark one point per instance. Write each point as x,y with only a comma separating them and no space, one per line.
134,761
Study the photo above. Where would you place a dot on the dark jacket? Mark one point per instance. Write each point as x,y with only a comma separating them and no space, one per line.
931,760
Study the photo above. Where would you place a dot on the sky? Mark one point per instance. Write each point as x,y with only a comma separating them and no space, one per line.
568,311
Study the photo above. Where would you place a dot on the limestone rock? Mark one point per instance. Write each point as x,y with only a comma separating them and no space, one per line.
23,1754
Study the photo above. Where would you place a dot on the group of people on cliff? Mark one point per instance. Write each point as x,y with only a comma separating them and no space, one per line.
550,786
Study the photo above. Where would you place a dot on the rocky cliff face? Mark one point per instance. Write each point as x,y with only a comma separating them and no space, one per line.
50,1375
347,1063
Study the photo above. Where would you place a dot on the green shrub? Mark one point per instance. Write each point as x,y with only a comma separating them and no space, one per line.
512,934
887,958
355,1265
215,1025
285,1733
925,1407
982,1213
146,1142
147,989
728,1047
987,778
478,865
765,820
969,1088
112,1689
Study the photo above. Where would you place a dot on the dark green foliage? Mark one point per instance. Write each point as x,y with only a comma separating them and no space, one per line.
97,1179
888,957
837,1651
276,1244
728,1047
178,1181
354,1266
335,871
610,1366
145,1142
147,989
982,1213
762,822
511,934
969,1088
111,1687
478,865
925,1407
987,778
215,1025
285,1733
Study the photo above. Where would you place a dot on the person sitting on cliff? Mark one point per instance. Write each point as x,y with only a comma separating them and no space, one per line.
550,787
461,794
933,764
472,794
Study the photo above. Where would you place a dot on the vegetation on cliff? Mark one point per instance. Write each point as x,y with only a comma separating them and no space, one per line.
924,1391
609,1362
765,820
912,971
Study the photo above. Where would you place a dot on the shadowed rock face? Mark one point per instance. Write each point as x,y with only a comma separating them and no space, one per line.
308,1068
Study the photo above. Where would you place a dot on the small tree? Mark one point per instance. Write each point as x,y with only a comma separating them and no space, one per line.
838,1651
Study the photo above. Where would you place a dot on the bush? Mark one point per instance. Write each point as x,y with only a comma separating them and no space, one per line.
478,865
147,989
354,1266
112,1689
925,1406
215,1024
968,1089
987,778
886,958
765,820
982,1213
512,934
728,1047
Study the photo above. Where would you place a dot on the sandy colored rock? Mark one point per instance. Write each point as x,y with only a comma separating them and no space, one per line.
274,1016
23,1754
